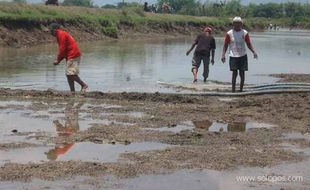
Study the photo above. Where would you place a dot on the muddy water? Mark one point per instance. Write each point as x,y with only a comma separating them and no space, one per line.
139,65
22,121
214,126
35,121
217,180
184,180
87,152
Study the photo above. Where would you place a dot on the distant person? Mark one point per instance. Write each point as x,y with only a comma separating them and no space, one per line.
146,7
270,26
68,49
165,7
52,2
153,9
205,43
236,39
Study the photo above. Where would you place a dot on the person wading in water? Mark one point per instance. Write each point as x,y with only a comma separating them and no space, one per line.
205,43
236,39
68,49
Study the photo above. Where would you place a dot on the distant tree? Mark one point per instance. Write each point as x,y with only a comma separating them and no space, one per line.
269,10
294,10
51,2
182,6
109,6
121,4
19,1
83,3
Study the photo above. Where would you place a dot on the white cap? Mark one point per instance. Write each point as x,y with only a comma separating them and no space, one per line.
237,19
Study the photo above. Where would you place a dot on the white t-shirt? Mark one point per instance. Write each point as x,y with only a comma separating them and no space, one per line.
236,41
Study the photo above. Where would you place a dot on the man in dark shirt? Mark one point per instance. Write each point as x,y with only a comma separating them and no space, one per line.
205,43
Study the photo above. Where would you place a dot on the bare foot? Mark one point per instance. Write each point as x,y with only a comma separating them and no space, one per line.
84,88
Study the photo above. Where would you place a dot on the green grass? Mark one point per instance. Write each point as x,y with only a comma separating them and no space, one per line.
107,20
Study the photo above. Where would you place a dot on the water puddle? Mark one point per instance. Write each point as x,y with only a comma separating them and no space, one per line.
175,129
229,127
86,151
213,126
185,180
129,114
223,180
296,136
87,106
29,118
76,183
271,178
296,149
227,99
208,86
12,103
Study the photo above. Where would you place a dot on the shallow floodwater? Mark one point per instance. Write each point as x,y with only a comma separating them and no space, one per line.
214,126
86,152
21,121
139,65
186,179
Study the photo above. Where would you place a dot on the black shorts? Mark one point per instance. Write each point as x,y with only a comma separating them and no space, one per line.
196,62
238,63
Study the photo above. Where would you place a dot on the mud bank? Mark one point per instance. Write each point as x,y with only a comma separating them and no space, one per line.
27,25
17,35
292,77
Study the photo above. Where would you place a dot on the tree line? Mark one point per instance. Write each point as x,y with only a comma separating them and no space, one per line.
234,7
210,8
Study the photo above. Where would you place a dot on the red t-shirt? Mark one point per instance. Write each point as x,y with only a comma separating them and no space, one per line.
68,48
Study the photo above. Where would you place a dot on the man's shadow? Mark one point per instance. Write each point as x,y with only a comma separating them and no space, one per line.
66,130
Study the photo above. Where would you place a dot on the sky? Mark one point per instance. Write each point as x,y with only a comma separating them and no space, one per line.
103,2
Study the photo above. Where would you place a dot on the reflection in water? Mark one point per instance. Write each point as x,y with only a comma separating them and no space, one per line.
70,127
236,127
229,127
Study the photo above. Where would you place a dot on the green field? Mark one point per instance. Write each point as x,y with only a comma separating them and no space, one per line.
107,20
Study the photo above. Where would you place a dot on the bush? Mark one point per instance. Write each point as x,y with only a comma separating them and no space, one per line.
19,1
110,31
82,3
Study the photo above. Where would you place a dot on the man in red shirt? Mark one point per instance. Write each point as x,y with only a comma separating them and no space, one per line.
68,49
237,39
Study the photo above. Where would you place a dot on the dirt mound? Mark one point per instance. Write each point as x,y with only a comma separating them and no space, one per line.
292,77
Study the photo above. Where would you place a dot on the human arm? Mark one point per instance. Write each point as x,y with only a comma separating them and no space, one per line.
191,49
62,44
225,47
213,47
212,56
250,46
193,46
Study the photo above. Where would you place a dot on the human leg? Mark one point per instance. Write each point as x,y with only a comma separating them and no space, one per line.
70,79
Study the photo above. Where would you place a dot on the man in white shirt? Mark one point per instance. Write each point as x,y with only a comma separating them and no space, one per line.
237,39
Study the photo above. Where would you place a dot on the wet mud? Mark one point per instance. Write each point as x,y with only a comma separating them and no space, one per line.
133,134
292,77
